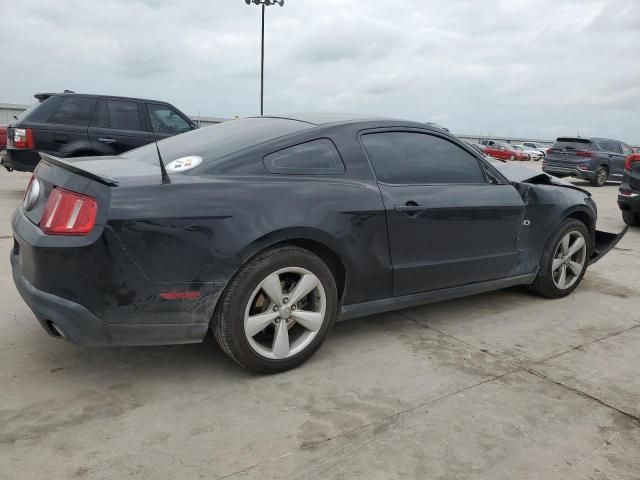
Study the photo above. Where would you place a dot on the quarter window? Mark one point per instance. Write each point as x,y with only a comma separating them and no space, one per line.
312,158
74,111
417,158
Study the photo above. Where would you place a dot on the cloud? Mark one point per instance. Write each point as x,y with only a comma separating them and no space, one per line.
528,67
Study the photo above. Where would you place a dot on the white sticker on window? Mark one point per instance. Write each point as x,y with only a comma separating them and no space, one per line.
184,163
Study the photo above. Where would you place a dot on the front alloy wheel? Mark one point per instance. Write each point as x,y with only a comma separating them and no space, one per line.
601,176
569,260
564,260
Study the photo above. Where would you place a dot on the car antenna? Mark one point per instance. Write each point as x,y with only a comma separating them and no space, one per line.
163,170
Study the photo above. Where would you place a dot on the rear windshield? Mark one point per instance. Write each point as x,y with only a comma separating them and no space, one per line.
24,114
572,143
218,141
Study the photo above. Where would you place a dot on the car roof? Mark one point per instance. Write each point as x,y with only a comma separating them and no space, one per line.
320,119
44,96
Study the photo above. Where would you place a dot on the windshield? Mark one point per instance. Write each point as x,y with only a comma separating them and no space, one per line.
215,142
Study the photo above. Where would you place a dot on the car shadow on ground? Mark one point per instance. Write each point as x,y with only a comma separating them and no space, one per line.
158,363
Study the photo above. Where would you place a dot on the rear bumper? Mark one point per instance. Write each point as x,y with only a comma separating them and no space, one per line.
571,171
78,325
21,160
629,203
60,285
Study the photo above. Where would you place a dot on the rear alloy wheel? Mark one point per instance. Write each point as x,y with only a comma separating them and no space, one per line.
601,176
512,158
277,310
564,260
630,218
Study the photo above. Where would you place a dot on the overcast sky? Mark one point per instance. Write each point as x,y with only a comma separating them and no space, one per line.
540,68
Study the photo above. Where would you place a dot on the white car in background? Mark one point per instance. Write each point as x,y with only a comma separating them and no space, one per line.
536,146
534,154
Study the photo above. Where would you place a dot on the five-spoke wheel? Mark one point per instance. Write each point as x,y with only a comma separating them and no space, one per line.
285,313
564,260
569,259
277,310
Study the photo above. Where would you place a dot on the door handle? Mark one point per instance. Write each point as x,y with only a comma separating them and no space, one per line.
107,140
409,208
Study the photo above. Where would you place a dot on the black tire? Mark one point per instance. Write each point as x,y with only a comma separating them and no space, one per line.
228,320
544,284
630,218
601,176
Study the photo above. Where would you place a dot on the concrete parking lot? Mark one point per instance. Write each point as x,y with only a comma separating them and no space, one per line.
504,385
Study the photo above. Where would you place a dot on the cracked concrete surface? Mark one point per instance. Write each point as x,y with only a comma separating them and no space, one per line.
496,386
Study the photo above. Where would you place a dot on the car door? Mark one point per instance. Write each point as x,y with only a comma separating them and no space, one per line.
64,132
448,225
118,126
166,121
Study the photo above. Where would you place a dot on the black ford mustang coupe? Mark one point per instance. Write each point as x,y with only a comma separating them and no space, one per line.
267,230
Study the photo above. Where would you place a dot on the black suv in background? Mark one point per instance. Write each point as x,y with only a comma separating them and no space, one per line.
629,193
73,125
594,159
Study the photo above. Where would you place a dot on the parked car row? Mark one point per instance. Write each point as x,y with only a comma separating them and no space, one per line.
524,151
76,125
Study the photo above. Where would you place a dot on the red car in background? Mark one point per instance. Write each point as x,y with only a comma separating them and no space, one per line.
504,152
3,137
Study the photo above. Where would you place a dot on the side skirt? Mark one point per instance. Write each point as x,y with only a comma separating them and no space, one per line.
356,310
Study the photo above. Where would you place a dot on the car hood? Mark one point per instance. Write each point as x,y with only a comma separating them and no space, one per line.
521,174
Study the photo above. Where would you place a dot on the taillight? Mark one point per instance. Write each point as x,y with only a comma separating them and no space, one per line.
23,138
582,153
68,213
630,159
551,150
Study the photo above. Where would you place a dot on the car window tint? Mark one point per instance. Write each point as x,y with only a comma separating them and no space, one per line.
101,116
416,158
311,158
124,115
73,111
218,141
615,147
165,119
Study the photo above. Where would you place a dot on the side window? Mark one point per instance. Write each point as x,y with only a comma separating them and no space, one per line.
101,117
615,146
73,111
318,157
417,158
119,115
626,149
165,119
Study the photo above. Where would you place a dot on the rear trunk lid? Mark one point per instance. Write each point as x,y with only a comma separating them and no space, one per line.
92,176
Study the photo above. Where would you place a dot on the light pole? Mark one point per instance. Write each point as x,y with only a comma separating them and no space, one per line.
263,4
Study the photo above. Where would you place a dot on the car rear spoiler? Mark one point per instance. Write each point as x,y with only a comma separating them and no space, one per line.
67,165
603,242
